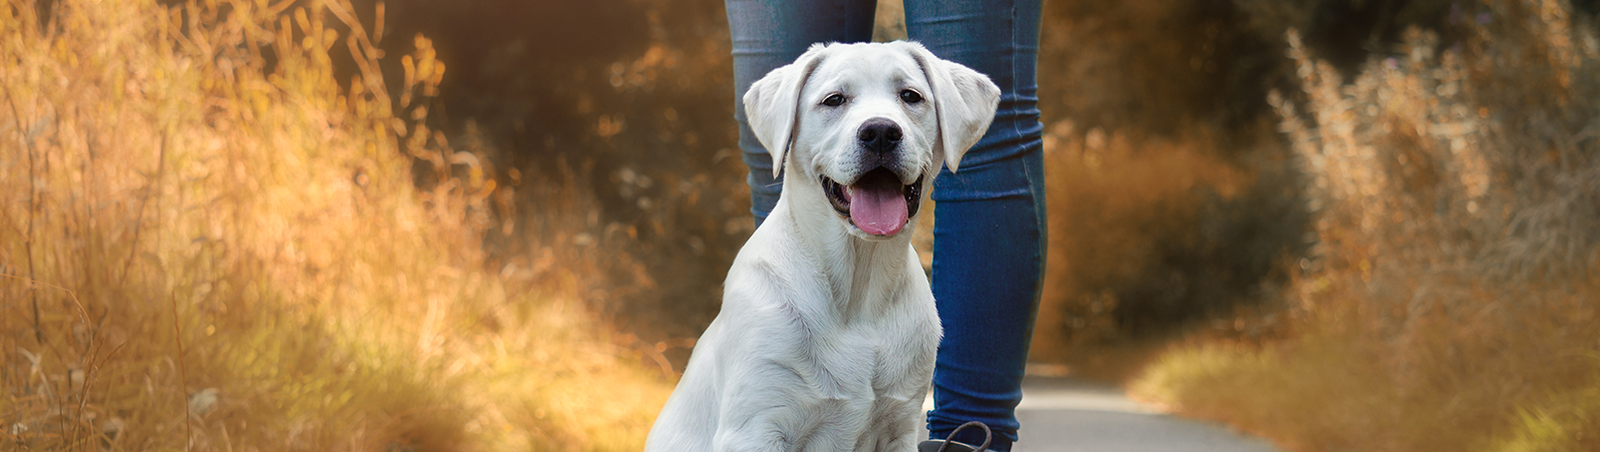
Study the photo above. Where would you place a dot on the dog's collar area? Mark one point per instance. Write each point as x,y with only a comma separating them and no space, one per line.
840,195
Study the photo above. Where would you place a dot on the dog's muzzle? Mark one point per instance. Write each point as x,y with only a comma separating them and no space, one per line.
876,202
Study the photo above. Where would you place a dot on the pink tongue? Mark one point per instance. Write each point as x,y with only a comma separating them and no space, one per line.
876,204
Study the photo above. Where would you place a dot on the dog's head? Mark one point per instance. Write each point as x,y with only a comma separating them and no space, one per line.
868,125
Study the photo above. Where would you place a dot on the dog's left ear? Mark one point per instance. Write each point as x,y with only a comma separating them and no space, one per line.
963,99
772,104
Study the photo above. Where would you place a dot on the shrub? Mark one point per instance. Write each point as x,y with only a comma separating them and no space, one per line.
1149,237
639,116
1453,277
1171,201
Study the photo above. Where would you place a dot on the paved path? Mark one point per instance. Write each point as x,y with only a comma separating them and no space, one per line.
1064,414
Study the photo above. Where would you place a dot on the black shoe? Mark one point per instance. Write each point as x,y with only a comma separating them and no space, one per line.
942,445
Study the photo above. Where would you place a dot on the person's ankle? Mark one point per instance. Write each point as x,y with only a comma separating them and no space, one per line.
950,444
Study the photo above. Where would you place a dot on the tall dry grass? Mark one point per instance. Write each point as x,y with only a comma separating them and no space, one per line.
211,242
1451,301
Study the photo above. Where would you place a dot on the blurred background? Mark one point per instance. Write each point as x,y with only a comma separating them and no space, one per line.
496,225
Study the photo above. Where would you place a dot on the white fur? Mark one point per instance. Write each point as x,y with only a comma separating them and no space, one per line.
827,334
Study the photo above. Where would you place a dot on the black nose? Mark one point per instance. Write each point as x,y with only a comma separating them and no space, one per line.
880,135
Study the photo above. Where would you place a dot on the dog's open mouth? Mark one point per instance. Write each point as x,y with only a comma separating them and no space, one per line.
876,203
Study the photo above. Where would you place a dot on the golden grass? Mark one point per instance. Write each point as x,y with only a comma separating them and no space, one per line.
1564,423
1344,383
1452,300
209,242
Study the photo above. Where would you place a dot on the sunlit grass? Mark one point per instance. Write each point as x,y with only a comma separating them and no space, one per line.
1347,382
209,242
1566,422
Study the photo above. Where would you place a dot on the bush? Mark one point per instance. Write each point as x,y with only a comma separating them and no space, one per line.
1171,200
1453,278
1149,237
639,117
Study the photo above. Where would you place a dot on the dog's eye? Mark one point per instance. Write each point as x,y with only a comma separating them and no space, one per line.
910,96
834,100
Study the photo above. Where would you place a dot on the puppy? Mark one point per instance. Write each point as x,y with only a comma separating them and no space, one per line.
828,331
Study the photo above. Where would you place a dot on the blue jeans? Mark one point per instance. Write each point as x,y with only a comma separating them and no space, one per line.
989,233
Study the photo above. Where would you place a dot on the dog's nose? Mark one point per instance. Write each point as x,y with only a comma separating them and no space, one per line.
880,135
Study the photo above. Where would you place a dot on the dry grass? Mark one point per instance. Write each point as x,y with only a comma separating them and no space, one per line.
1451,300
209,242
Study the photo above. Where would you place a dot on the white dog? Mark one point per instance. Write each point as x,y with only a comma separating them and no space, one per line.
827,334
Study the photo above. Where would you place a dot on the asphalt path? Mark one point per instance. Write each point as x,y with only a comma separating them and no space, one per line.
1066,414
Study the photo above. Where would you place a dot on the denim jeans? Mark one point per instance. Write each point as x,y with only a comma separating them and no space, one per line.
989,232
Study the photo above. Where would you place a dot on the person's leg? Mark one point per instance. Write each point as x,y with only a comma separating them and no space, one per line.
989,233
768,34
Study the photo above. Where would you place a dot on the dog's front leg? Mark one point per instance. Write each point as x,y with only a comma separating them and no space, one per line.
900,432
760,410
902,439
757,434
768,423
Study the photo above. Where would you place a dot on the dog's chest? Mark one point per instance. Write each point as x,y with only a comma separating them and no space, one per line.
875,361
865,389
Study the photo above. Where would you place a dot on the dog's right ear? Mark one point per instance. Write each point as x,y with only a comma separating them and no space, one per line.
772,104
